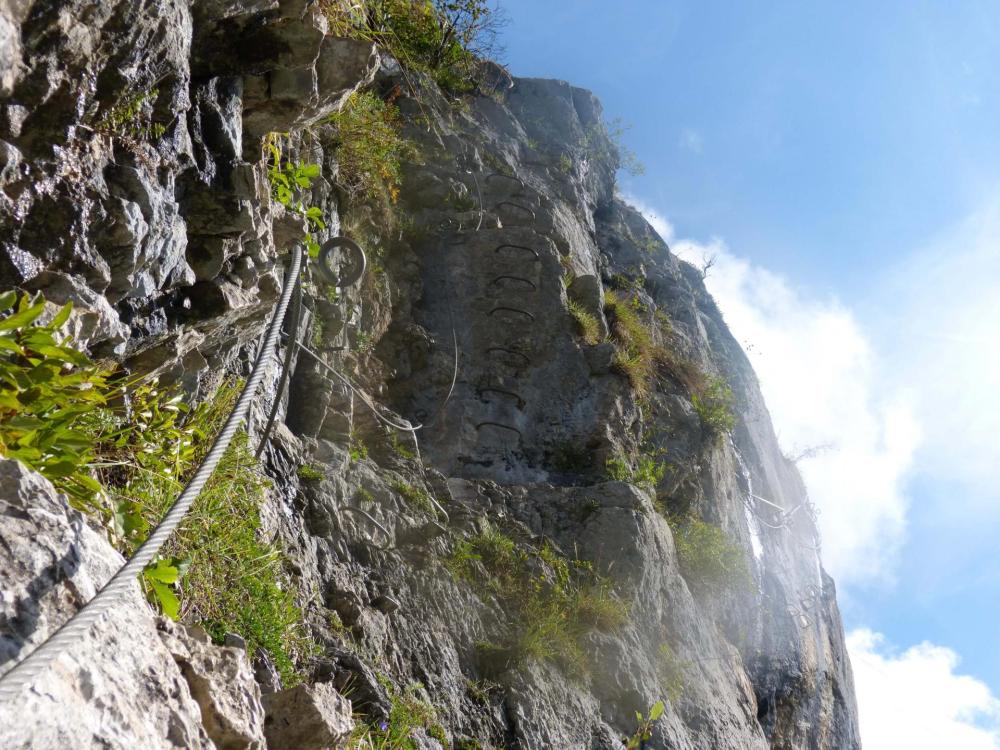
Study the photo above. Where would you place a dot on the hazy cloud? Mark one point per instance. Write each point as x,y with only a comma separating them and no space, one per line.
917,700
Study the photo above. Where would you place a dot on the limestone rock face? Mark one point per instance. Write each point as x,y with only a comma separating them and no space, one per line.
313,717
118,688
133,183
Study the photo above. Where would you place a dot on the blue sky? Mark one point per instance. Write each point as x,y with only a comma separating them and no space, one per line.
842,160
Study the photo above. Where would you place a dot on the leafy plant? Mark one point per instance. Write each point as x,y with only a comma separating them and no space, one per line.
587,325
131,117
289,182
311,473
644,731
122,451
604,142
368,146
357,450
48,387
709,561
714,404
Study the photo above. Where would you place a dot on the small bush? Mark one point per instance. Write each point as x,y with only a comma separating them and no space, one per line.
551,610
414,496
368,147
131,118
311,473
587,325
648,471
48,387
709,561
714,404
444,38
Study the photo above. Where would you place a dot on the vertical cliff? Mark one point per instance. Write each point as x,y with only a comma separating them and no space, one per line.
552,495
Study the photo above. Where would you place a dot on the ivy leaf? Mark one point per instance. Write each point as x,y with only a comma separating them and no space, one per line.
656,711
167,599
162,571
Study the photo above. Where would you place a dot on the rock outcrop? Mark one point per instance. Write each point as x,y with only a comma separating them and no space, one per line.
132,183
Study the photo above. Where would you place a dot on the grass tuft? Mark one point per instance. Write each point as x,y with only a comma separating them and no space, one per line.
552,602
587,325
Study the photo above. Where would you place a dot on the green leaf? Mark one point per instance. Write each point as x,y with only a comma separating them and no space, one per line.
656,711
7,300
22,317
161,571
168,600
62,316
309,170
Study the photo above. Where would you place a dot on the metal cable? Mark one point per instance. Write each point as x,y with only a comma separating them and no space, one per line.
374,410
124,581
286,367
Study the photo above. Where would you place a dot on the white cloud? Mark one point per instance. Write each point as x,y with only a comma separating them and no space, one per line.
823,386
941,321
916,699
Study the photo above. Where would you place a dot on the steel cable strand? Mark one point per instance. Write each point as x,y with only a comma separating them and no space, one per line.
374,410
124,581
286,367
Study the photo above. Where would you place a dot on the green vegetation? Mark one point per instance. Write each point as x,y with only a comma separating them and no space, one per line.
709,561
131,118
604,142
552,602
122,452
369,147
444,38
648,470
357,450
289,182
414,496
714,404
48,386
636,354
408,713
403,451
311,473
671,672
587,325
644,730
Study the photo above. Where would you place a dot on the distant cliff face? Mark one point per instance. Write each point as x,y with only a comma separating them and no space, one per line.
619,526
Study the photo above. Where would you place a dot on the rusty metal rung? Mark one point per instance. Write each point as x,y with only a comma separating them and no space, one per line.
517,310
533,252
529,282
480,425
518,206
520,401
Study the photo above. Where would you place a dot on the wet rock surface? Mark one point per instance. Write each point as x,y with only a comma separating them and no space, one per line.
162,231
